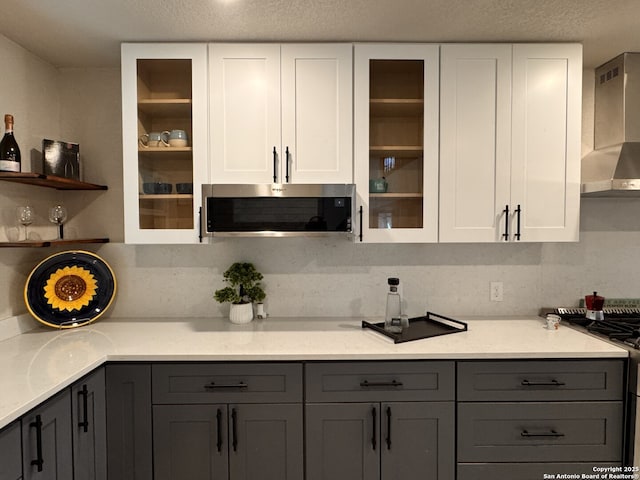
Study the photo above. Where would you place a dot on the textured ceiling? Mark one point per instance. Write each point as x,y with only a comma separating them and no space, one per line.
79,33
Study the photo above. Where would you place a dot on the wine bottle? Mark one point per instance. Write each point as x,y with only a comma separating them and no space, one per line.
9,150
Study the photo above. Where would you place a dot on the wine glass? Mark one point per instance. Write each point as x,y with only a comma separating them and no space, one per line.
25,216
58,215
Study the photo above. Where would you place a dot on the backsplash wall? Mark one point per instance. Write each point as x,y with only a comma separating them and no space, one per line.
312,276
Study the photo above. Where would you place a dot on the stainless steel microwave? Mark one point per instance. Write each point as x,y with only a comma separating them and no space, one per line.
277,210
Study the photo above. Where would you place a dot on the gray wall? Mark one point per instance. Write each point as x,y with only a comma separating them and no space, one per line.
309,277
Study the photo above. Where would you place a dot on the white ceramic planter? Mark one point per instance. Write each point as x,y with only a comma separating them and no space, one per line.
241,313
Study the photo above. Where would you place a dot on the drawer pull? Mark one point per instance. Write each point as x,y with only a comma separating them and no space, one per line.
215,386
552,383
392,383
552,433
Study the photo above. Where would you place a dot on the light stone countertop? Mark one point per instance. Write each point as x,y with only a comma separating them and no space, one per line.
41,362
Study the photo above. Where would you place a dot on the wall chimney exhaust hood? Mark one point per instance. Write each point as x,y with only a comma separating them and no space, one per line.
613,168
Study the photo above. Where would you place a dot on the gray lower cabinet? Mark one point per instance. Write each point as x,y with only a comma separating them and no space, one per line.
238,441
228,421
522,419
47,440
11,452
369,432
129,424
89,426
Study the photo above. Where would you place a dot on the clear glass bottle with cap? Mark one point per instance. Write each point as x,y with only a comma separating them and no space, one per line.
393,314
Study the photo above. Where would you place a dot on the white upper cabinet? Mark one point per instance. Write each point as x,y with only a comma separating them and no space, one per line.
280,113
396,142
164,89
510,142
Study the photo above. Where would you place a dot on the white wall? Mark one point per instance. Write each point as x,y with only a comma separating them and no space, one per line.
316,277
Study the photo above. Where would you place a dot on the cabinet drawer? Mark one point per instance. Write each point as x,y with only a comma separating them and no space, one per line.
227,382
541,380
540,432
380,381
526,471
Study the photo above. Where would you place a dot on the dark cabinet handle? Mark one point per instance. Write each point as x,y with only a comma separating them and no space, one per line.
38,426
388,428
505,235
361,218
216,386
517,235
200,224
552,383
392,383
84,395
551,433
234,429
219,430
286,159
374,421
275,165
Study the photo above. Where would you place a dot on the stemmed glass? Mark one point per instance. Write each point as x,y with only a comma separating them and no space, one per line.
58,215
25,215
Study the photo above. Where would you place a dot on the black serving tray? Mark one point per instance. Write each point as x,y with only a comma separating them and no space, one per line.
420,327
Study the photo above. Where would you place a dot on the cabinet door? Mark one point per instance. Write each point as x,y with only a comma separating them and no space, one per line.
396,141
547,86
266,442
129,439
164,89
11,453
190,441
475,136
89,424
46,440
244,89
343,441
317,113
418,441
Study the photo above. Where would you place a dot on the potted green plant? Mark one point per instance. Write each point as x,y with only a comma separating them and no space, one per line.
244,289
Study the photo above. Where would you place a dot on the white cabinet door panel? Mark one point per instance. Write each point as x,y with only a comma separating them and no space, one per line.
317,113
546,140
244,94
475,128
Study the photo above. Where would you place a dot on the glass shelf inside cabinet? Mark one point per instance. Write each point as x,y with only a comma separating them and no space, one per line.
165,168
396,139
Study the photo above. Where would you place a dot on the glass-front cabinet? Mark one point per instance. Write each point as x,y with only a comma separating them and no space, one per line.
164,117
396,142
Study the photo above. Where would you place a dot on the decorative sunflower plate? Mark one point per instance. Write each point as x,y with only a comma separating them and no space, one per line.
70,289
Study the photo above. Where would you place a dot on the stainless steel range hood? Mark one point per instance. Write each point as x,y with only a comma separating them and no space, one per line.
613,168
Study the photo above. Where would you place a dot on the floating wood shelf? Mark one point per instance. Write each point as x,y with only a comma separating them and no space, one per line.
166,196
49,181
395,195
52,243
396,107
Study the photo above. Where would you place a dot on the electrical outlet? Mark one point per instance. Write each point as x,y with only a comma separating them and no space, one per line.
496,292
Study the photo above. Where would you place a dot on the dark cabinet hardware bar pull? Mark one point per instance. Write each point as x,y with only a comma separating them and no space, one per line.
552,383
286,157
219,430
505,235
392,383
275,165
84,394
214,386
374,419
200,224
517,235
388,428
38,426
551,433
234,429
361,218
